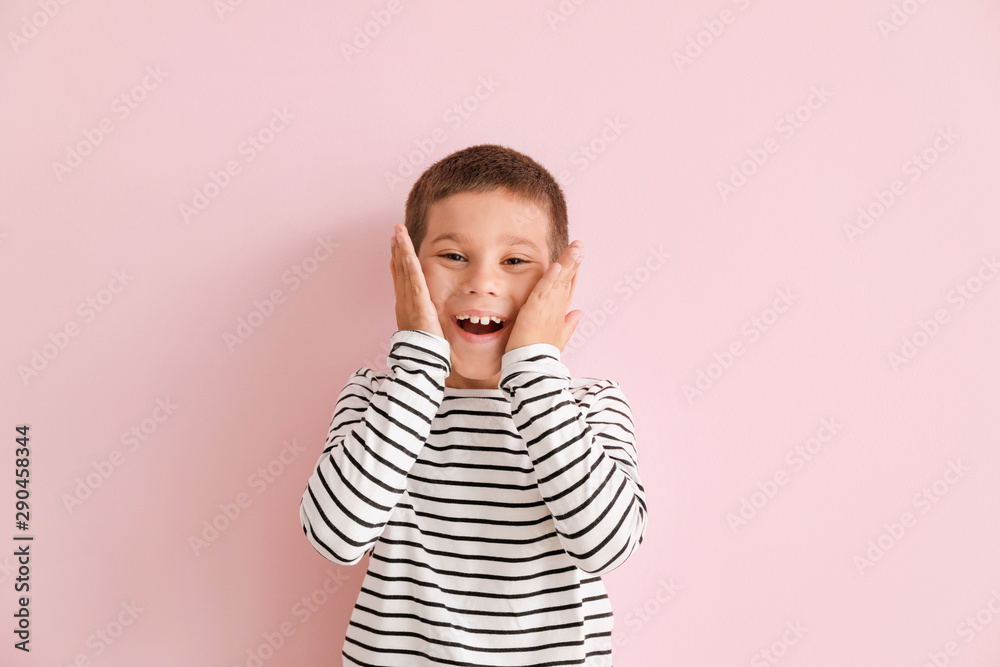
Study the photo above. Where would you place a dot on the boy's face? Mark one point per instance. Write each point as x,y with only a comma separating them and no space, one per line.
482,251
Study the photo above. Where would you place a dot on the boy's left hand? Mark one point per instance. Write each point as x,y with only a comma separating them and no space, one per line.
543,317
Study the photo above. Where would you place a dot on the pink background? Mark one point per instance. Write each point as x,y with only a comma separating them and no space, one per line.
640,138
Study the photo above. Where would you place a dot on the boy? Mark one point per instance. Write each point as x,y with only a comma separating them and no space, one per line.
490,487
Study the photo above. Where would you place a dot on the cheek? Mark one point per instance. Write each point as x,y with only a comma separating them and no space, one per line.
522,289
437,285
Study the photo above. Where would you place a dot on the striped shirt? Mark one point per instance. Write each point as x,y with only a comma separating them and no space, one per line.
489,514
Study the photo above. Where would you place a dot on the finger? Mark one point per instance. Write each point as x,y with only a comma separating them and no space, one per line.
404,258
544,286
568,275
569,326
417,283
569,264
572,285
397,254
392,259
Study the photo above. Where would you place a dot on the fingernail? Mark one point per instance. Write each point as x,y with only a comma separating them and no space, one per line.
578,258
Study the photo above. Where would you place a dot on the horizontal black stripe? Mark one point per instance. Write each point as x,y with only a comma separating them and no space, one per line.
472,612
469,501
479,575
476,520
483,631
473,593
486,557
440,642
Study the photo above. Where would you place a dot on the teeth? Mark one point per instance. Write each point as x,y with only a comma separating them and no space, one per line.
475,319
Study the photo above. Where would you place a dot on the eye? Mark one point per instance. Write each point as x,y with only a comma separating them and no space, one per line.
518,260
449,255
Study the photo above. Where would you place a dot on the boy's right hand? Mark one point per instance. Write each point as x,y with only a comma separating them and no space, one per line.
414,308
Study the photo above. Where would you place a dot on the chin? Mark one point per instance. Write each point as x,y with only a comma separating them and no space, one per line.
476,370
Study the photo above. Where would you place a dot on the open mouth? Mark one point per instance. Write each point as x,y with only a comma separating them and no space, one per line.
481,326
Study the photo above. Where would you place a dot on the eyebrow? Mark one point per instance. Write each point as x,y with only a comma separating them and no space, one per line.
509,239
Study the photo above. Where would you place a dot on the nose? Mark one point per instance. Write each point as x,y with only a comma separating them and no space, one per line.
481,278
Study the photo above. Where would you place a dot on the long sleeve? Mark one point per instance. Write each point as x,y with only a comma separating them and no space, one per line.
584,456
378,428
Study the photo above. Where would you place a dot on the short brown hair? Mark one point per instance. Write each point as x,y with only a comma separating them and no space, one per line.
485,168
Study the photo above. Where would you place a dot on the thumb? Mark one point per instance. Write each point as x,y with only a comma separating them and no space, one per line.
569,326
